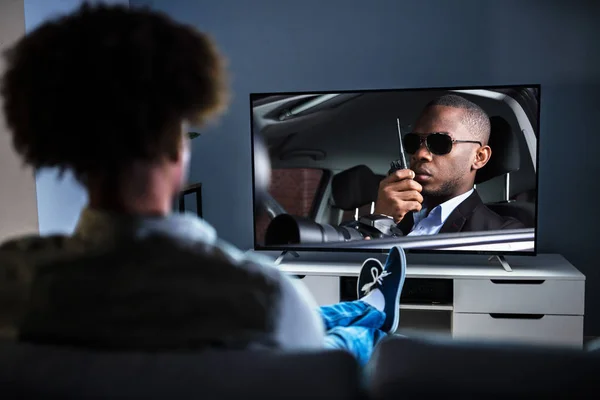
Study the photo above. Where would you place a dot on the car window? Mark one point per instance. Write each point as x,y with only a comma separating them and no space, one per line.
295,189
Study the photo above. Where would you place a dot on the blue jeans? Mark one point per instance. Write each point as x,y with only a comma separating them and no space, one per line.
353,326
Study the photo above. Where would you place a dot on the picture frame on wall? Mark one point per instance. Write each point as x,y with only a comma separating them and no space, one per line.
190,198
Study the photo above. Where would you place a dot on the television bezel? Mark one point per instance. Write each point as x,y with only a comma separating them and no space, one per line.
309,249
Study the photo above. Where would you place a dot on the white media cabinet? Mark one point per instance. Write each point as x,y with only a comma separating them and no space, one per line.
541,301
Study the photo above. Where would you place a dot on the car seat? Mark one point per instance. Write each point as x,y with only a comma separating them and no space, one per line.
355,188
505,159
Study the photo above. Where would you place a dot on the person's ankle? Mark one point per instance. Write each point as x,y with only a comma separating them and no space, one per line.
375,299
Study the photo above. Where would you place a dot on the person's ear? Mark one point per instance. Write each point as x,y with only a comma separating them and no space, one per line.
482,157
184,148
180,164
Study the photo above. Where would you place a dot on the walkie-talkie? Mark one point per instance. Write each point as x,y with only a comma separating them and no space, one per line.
401,162
380,222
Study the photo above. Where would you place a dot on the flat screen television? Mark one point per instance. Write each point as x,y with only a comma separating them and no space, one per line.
341,167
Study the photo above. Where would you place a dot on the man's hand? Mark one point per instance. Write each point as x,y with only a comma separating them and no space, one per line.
399,194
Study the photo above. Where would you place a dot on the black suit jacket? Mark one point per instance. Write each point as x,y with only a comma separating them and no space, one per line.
470,216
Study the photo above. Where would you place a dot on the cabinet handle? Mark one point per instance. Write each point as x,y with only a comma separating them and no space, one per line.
516,316
517,281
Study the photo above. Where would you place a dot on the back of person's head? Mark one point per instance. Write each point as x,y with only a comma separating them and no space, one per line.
107,86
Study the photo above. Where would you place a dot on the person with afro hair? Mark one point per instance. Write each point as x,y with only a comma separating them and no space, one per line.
108,92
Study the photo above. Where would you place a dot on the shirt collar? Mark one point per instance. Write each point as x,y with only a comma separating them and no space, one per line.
102,226
441,212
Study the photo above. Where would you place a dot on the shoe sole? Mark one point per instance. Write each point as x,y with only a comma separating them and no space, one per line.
358,294
400,287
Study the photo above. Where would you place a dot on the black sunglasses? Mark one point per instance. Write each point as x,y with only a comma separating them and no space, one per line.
437,143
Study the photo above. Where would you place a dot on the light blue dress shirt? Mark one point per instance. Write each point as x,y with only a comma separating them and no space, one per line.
431,224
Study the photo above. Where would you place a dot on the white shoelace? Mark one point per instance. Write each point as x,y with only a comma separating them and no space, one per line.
377,279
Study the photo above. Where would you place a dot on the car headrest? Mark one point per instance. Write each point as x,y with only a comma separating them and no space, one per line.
506,156
355,187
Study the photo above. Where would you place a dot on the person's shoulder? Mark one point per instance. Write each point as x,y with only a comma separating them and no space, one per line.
34,243
196,247
28,251
295,295
20,256
512,223
249,260
495,221
203,241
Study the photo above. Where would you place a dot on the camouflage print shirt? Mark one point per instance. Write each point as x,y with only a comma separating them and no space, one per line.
150,283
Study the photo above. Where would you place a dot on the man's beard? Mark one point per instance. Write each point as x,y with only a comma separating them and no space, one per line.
444,192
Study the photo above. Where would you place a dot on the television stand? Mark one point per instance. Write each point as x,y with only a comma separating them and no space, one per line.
283,254
485,302
502,262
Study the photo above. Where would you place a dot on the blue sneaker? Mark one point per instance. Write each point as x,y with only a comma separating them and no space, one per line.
368,279
391,287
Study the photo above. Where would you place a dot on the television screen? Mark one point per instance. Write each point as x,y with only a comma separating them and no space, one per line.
444,169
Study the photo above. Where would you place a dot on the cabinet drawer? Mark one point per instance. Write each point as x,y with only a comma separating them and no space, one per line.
325,289
562,330
558,297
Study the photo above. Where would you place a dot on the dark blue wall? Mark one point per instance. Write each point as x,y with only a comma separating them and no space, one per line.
276,45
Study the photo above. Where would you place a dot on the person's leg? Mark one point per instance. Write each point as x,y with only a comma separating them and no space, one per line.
369,310
358,326
352,313
359,341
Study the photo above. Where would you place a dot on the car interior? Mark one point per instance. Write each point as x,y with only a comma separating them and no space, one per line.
353,137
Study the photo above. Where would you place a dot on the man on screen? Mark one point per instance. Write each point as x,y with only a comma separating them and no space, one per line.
436,195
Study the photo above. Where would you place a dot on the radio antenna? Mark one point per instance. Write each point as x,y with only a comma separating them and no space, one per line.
402,156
